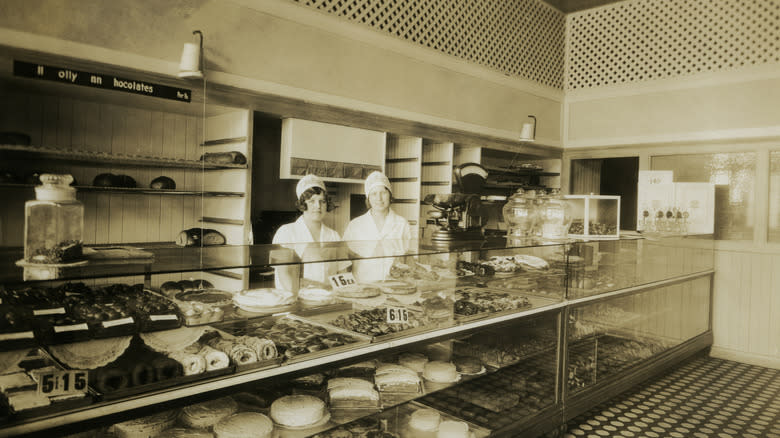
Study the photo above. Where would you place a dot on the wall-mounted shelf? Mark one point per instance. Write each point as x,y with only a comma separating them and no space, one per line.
222,141
503,171
401,160
109,160
134,191
219,220
435,163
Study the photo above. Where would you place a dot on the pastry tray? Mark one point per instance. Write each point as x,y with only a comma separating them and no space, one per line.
248,327
398,419
254,366
55,407
536,302
323,317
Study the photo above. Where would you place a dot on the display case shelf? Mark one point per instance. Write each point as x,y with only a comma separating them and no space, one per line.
106,159
134,191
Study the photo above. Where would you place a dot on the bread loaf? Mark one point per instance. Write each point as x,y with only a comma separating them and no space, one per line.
233,157
200,237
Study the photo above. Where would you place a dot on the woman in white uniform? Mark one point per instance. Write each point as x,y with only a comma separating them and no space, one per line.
308,229
380,232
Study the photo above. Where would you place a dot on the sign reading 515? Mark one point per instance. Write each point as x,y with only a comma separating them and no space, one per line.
62,382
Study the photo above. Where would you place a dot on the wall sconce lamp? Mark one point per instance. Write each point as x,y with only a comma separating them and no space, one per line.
191,65
528,131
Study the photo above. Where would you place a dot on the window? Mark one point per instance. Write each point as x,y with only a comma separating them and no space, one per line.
774,197
734,176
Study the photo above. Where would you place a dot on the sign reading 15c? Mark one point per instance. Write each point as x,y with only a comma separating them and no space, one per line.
62,382
342,280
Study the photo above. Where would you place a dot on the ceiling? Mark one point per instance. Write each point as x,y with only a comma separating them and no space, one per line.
568,6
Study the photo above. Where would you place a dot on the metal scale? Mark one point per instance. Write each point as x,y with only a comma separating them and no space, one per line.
457,215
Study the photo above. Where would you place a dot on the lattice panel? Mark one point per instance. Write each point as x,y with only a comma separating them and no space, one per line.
642,40
522,38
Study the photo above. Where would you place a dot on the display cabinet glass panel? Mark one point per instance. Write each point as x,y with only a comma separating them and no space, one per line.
603,266
608,336
594,216
734,176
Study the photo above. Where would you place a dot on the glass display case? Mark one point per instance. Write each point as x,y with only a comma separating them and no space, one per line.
594,216
472,335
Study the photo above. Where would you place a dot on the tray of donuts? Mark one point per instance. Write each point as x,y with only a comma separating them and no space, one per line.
297,338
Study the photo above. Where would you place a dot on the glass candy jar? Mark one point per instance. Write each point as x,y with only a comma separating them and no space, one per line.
555,216
53,222
520,215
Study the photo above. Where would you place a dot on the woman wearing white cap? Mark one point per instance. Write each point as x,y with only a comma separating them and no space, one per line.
381,223
308,228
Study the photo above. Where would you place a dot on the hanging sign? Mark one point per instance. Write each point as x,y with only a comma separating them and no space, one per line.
99,80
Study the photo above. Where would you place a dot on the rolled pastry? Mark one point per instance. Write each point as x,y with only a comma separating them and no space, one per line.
264,348
240,353
215,359
191,364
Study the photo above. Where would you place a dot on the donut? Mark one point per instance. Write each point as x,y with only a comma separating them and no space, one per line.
111,379
143,374
166,368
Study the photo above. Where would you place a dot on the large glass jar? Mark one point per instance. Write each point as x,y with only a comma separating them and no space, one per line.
53,222
520,215
555,216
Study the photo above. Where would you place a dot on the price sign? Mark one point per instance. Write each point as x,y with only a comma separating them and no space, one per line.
397,315
62,382
342,280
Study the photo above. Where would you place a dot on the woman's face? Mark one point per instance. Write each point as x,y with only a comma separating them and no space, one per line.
379,198
316,207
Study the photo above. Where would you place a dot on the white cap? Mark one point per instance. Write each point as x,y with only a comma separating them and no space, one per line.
377,179
308,182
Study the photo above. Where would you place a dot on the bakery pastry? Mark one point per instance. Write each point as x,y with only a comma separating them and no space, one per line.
181,432
170,288
414,361
175,340
22,400
111,379
440,372
311,296
206,414
348,392
358,291
164,183
396,378
145,426
200,237
453,429
191,364
468,365
264,348
239,353
15,382
261,300
232,157
211,297
396,287
298,410
244,424
424,420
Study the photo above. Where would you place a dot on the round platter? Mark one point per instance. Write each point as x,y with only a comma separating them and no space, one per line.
323,421
25,264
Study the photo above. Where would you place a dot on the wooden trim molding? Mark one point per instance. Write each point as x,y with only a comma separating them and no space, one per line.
744,357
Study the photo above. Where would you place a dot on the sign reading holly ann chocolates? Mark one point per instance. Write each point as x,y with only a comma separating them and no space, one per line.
99,80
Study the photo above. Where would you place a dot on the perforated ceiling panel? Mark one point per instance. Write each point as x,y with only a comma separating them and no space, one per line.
522,38
642,40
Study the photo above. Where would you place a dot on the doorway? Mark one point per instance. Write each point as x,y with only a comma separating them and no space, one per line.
609,176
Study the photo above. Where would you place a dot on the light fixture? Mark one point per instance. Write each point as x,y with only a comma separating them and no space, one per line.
191,65
528,131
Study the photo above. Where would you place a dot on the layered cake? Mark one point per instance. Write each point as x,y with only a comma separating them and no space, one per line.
145,426
424,421
453,429
396,378
440,372
414,361
207,414
244,424
298,411
352,392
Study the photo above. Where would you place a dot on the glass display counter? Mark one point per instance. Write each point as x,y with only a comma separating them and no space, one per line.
479,333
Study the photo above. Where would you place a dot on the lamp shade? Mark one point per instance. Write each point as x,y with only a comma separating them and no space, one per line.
189,67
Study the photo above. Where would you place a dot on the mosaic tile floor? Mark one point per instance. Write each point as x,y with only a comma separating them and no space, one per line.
705,397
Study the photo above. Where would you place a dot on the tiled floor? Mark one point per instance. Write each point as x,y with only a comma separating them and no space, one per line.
705,397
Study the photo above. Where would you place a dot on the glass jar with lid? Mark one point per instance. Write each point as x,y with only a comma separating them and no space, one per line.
555,216
520,215
53,222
